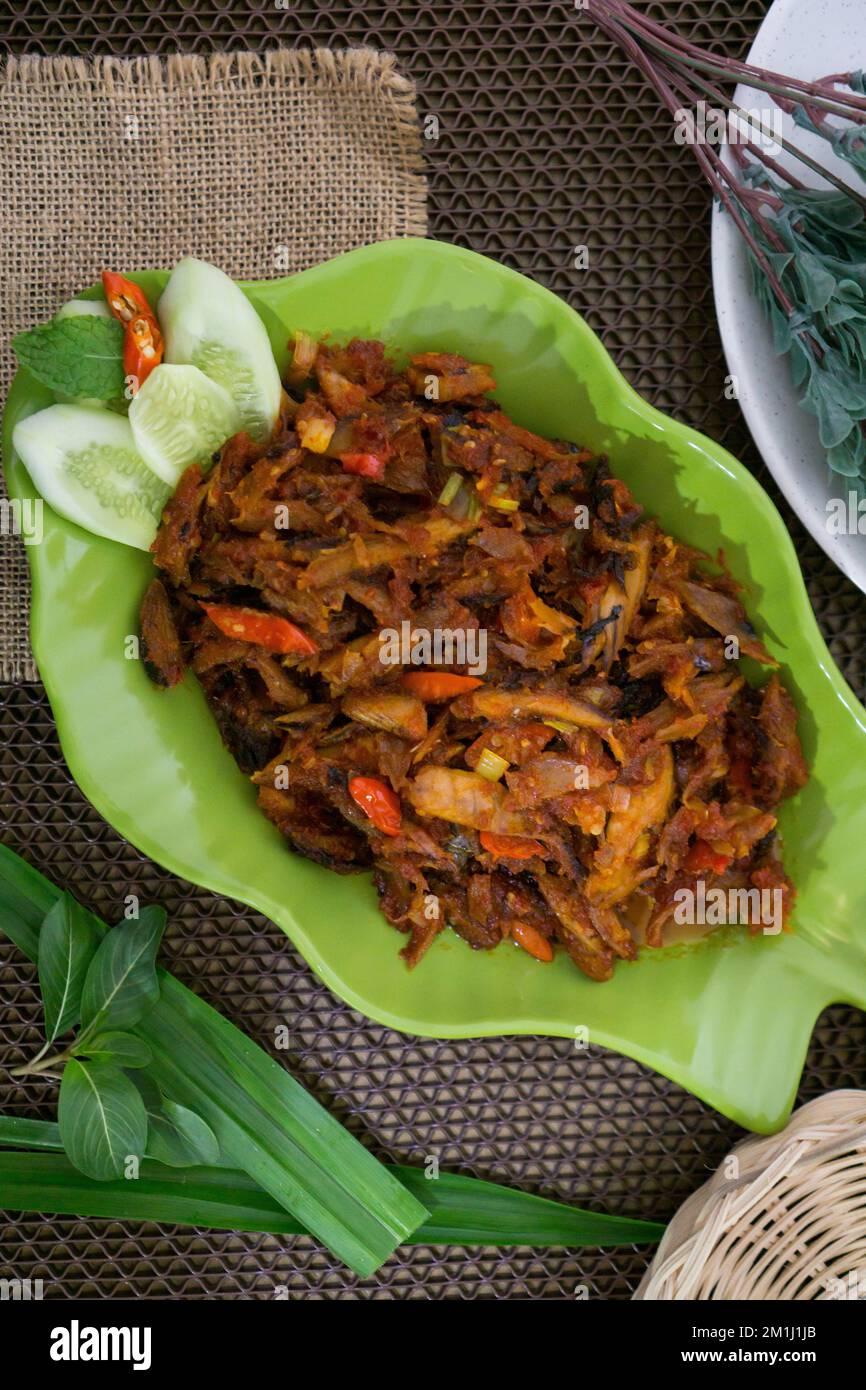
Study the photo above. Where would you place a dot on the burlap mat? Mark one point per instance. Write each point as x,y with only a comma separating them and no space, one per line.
264,164
547,139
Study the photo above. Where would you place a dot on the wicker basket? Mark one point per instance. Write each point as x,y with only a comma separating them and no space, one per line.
782,1217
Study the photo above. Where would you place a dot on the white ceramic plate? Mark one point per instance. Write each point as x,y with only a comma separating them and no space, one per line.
806,39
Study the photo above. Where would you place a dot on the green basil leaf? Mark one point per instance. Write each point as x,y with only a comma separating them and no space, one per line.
165,1144
150,1092
80,356
180,1138
67,944
102,1119
194,1131
175,1134
121,984
123,1049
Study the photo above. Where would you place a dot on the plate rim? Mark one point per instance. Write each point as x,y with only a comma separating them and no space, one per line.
820,993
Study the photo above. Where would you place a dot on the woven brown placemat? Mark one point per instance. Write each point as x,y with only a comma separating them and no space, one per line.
264,164
547,139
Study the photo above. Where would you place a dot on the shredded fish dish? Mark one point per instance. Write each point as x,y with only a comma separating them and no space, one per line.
461,656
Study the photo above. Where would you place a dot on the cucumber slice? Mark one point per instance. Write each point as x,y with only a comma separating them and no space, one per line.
85,464
74,308
207,321
90,401
178,417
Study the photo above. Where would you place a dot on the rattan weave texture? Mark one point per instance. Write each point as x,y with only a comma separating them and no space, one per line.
547,140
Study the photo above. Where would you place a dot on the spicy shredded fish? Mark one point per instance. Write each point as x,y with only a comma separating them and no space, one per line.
610,753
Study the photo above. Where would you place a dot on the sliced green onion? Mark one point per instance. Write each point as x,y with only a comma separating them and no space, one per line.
505,504
450,490
560,726
491,766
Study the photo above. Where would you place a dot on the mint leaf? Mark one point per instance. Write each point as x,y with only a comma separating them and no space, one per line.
81,356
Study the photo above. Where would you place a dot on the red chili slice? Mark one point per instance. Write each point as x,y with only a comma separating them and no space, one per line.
378,802
532,941
264,629
510,846
702,856
365,465
143,345
438,685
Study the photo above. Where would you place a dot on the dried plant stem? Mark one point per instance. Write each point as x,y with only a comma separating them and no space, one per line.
678,72
850,105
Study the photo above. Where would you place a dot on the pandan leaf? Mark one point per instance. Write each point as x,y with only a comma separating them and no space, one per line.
462,1210
264,1120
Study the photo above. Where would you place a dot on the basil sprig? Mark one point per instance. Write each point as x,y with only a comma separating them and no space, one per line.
109,1120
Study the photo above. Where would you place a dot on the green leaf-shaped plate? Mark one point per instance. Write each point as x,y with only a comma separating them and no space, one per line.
729,1017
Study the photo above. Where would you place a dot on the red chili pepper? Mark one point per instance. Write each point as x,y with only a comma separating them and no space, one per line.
142,348
264,629
365,465
510,846
125,297
532,941
143,345
702,856
377,801
438,685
